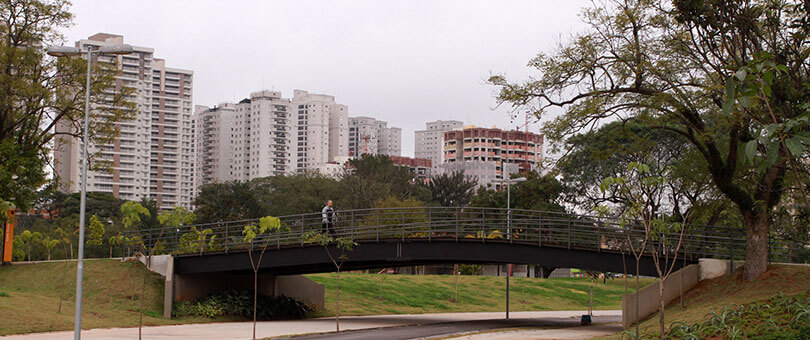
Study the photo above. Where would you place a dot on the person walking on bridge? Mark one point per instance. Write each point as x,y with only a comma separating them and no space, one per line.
327,215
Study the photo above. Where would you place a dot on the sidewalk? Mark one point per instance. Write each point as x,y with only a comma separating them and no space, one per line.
243,330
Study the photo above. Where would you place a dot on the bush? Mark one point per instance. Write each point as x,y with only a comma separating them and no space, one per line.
240,303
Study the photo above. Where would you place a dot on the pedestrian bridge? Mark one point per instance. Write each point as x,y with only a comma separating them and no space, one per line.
395,237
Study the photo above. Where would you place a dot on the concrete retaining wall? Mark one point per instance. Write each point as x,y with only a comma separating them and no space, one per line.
301,289
648,296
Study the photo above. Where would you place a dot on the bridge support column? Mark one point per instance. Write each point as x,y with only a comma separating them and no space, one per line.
168,289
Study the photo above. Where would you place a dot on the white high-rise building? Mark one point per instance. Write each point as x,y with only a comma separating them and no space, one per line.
371,136
429,143
153,156
246,140
322,130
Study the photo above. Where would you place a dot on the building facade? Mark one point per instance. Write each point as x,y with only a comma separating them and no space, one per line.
153,156
491,153
429,143
372,136
421,168
322,130
245,140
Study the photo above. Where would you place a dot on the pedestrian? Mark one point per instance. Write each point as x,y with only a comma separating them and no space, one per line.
327,215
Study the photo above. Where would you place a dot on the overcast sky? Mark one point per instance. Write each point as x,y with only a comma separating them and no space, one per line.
405,62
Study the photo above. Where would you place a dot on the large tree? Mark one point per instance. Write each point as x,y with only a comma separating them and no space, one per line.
727,76
229,201
609,150
373,177
37,93
452,190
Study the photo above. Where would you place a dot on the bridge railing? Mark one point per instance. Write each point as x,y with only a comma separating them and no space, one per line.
466,224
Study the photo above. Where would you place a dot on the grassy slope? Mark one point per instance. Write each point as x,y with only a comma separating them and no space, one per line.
404,294
724,291
33,296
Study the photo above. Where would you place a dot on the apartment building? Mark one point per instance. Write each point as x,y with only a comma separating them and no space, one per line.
245,140
491,153
371,136
322,130
153,156
420,167
429,143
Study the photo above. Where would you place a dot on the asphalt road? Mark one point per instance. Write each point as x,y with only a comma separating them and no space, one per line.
447,328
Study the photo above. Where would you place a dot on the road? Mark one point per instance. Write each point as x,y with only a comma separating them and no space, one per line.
405,326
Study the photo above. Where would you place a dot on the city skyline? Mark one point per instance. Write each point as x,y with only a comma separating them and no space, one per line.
439,66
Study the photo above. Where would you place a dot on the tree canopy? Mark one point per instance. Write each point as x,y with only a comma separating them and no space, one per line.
729,77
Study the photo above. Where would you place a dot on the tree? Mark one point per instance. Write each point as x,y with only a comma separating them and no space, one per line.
27,238
373,177
96,235
452,190
538,192
641,193
39,93
727,76
297,194
267,225
168,219
229,201
115,240
49,244
336,249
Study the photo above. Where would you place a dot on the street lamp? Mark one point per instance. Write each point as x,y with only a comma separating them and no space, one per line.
509,182
67,51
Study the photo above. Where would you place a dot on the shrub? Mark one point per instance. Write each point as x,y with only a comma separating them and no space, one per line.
240,303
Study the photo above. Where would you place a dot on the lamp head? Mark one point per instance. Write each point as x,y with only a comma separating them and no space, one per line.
63,51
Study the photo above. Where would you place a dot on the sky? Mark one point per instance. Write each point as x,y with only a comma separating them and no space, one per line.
404,62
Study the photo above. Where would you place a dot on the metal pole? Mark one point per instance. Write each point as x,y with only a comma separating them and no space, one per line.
509,236
77,324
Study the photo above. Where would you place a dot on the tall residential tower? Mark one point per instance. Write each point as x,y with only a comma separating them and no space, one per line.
153,156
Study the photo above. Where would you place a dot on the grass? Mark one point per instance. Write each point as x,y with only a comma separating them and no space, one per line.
111,297
413,294
713,295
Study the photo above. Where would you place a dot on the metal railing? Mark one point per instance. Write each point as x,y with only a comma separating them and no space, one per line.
541,228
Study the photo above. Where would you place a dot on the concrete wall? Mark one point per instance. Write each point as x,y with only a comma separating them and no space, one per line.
190,287
301,289
685,279
714,268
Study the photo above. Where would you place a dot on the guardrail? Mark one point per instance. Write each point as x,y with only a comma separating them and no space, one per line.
541,228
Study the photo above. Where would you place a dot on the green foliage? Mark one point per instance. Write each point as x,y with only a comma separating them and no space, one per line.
176,217
266,224
469,269
374,177
229,201
240,303
538,192
737,93
452,190
297,194
4,294
133,213
27,238
39,92
96,235
780,317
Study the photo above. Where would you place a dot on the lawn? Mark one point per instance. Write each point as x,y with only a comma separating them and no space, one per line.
29,296
405,294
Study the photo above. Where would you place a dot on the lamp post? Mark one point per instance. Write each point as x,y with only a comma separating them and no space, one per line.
509,182
67,51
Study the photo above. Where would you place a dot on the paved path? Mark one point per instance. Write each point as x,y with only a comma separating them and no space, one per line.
441,323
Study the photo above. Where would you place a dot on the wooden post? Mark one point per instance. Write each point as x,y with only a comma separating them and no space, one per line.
8,237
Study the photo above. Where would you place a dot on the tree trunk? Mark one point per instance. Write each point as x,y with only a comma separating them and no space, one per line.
255,295
637,307
756,256
337,301
143,298
661,306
